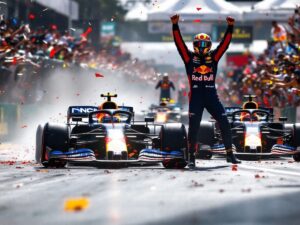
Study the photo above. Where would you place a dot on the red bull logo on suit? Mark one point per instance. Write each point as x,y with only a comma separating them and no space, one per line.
203,69
203,78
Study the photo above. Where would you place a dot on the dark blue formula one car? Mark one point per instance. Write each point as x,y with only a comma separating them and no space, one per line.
108,135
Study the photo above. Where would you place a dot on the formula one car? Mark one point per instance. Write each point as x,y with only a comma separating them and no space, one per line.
255,134
108,135
167,111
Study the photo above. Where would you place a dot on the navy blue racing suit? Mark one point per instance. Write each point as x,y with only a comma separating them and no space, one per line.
165,89
201,72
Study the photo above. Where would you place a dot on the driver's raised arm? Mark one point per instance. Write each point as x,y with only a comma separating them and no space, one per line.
181,46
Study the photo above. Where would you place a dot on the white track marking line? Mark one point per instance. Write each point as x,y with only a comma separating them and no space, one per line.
269,170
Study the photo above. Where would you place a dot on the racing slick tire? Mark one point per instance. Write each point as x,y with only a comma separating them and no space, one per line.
204,154
173,137
297,134
296,157
206,133
54,136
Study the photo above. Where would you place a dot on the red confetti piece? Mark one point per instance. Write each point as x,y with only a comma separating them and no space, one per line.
234,167
86,33
98,75
14,62
257,176
7,162
53,27
31,16
197,21
52,53
198,8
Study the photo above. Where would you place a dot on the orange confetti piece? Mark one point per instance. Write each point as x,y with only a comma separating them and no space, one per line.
234,167
42,171
76,204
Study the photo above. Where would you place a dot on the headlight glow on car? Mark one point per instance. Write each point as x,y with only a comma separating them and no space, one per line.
161,117
252,140
115,141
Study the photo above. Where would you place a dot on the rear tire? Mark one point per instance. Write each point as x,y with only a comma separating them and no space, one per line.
204,154
296,157
173,137
206,133
297,135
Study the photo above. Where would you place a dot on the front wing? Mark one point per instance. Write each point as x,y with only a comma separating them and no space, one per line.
86,157
276,150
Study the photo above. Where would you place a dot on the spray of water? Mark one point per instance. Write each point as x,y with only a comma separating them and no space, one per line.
62,88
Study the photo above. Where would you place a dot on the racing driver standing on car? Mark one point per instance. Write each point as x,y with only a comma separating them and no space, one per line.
201,68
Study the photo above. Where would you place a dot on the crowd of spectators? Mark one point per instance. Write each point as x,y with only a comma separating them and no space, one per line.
274,75
24,51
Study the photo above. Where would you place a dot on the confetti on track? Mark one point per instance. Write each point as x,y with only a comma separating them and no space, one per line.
98,75
76,204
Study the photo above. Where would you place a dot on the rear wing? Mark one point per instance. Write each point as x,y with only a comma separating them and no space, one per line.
80,111
83,111
229,110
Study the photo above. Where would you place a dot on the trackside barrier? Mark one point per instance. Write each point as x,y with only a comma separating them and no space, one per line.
9,116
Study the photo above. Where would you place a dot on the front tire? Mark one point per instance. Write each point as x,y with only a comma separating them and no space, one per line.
55,137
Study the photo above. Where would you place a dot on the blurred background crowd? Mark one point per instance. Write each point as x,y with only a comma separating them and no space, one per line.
274,75
32,45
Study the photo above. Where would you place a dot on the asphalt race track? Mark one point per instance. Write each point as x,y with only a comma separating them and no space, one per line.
264,192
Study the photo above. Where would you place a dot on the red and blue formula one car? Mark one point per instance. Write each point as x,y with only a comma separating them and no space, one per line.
255,134
109,135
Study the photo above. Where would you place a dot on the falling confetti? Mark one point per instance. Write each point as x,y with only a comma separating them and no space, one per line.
31,16
45,9
76,204
52,53
197,21
86,33
198,8
24,126
73,29
98,75
257,176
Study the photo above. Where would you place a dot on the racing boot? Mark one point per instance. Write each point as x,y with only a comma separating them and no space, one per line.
230,157
192,160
